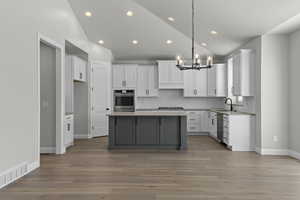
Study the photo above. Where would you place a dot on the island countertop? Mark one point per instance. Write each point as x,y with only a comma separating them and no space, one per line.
148,113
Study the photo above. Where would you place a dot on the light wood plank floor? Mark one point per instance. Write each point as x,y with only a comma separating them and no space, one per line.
206,171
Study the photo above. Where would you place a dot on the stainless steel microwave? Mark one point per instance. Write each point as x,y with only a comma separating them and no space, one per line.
124,101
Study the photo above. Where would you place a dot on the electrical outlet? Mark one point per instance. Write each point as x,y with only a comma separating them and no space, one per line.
275,138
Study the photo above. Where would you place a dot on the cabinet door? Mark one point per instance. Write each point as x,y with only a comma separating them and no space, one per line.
204,121
152,81
130,76
189,84
125,130
170,77
201,82
142,81
79,69
236,75
221,80
169,131
147,132
211,76
176,77
82,72
118,76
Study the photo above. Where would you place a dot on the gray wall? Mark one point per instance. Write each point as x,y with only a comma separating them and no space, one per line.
48,96
19,110
294,91
274,92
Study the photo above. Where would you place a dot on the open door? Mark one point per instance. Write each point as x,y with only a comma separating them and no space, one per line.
100,98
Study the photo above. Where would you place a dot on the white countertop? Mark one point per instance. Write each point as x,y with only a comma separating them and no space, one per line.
228,112
149,113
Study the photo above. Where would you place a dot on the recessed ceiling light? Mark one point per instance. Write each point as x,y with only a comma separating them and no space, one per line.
88,14
171,19
169,41
101,42
129,13
135,42
214,32
204,44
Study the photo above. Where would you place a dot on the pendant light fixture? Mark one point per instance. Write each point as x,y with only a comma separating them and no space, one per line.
196,60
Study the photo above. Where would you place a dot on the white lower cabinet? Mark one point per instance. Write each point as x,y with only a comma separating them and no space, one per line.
197,121
69,130
237,133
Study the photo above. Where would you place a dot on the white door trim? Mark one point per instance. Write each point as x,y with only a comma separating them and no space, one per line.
60,97
109,96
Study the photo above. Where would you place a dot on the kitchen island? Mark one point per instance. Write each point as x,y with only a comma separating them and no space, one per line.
147,129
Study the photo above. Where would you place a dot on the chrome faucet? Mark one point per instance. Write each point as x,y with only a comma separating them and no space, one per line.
231,106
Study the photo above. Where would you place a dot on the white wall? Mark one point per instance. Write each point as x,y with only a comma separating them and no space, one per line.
294,91
20,21
274,92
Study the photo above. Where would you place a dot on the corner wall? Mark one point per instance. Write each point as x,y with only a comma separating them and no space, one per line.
20,22
294,93
274,93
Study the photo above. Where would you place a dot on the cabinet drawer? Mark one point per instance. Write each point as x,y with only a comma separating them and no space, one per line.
193,128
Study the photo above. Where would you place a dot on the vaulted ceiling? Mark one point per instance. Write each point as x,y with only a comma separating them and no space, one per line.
236,22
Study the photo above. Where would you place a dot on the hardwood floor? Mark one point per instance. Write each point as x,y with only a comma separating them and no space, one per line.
206,171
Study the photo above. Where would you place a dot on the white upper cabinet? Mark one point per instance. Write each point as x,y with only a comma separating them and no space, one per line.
79,69
147,81
195,83
124,76
170,77
217,80
243,67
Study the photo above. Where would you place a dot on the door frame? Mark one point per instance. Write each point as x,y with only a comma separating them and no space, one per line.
60,91
110,92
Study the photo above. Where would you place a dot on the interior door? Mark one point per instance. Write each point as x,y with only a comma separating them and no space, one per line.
100,98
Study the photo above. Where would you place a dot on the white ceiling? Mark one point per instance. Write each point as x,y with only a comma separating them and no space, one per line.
237,21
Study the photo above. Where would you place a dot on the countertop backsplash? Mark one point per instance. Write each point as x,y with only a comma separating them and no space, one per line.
174,98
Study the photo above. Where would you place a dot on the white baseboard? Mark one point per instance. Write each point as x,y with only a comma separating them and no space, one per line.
14,173
258,150
82,137
275,152
294,154
237,148
47,150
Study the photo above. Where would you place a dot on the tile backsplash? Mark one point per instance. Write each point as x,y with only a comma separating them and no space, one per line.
174,98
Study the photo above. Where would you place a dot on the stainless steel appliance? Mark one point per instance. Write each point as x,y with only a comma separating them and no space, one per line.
124,101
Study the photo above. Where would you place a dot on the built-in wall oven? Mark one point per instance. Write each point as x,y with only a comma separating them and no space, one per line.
124,101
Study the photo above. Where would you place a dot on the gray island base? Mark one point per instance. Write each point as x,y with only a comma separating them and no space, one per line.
147,130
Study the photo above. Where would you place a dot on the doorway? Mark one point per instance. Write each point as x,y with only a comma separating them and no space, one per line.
51,98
